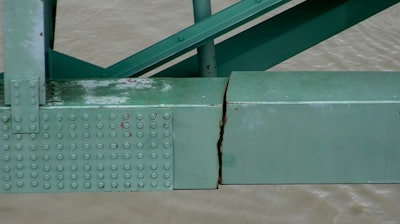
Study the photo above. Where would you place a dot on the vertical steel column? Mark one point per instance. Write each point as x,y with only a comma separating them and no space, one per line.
206,53
24,62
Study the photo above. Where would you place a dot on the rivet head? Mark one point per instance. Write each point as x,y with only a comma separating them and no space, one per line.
154,166
74,168
167,175
167,116
100,185
60,177
72,117
100,176
140,167
153,125
140,175
6,136
20,184
34,183
74,185
140,155
140,125
100,167
127,145
154,175
113,117
127,176
5,118
7,186
34,175
6,158
73,156
114,176
114,167
6,177
59,117
6,169
18,128
19,157
87,167
20,166
167,145
139,117
140,145
114,184
100,156
153,145
47,186
74,176
46,168
99,117
85,117
33,157
141,185
87,176
127,184
113,134
60,186
127,167
167,184
113,156
154,184
5,127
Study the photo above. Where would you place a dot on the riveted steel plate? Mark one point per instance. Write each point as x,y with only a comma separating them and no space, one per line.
89,150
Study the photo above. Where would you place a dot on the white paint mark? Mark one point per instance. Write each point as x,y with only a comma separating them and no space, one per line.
166,87
108,100
126,84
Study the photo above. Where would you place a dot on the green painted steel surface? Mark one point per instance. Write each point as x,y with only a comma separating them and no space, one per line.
294,128
284,36
23,44
62,66
117,135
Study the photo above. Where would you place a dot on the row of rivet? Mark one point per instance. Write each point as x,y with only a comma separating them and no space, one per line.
74,135
99,167
86,176
87,185
46,157
99,117
126,145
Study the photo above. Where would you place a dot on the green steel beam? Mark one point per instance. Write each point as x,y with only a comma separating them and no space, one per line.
284,36
117,135
23,45
192,37
312,127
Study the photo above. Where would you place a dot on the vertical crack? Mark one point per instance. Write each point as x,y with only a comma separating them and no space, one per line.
221,135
